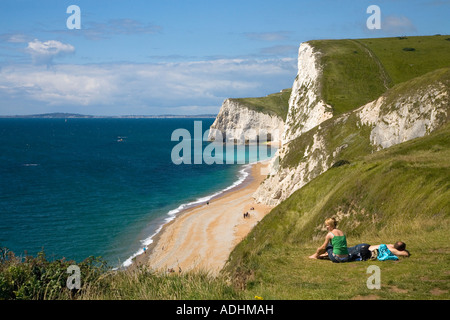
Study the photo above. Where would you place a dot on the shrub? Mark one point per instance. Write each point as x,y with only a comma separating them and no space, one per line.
36,278
340,163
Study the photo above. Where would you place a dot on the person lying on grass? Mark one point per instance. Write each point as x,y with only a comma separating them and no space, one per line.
335,245
398,248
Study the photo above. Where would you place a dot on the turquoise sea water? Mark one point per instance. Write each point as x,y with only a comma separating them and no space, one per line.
97,187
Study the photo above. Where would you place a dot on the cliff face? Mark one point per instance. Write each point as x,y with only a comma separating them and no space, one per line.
237,122
406,118
306,108
408,111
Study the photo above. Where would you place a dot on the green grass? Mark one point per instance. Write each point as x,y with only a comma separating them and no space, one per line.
358,71
276,103
351,77
401,193
143,284
431,53
36,278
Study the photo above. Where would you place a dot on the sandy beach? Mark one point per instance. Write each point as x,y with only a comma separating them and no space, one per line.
201,238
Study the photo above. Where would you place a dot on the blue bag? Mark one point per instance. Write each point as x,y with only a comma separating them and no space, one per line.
385,254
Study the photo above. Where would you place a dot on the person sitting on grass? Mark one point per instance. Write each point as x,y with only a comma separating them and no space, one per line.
335,244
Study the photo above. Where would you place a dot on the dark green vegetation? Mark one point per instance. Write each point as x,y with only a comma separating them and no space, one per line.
33,278
358,71
276,103
39,278
401,193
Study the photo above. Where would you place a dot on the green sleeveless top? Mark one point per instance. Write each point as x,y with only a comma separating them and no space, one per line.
339,244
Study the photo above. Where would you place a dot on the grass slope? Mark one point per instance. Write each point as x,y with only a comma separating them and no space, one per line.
351,77
276,103
401,193
401,63
358,71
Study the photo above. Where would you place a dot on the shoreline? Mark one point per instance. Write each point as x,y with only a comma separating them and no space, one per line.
244,178
202,237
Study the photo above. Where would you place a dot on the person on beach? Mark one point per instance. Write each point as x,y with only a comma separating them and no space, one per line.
335,244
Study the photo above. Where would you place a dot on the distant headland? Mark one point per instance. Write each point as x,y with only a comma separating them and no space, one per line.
60,115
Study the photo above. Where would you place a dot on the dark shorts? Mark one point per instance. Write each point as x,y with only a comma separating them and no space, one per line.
334,257
359,252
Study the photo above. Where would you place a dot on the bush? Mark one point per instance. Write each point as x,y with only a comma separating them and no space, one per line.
340,163
36,278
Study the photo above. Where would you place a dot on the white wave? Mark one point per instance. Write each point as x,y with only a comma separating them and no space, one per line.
242,176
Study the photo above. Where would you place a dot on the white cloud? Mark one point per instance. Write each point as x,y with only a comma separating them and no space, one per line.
114,27
399,25
141,88
268,36
16,38
45,52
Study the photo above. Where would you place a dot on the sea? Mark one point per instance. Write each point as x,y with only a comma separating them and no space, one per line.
103,187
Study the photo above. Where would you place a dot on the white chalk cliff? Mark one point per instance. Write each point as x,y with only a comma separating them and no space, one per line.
306,108
237,122
410,116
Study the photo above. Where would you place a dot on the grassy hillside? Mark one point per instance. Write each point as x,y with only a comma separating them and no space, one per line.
358,71
401,193
276,103
349,132
351,76
405,58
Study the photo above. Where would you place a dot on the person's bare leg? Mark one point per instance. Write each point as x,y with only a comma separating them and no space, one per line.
319,252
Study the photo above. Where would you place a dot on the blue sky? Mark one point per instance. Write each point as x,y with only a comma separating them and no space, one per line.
175,57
